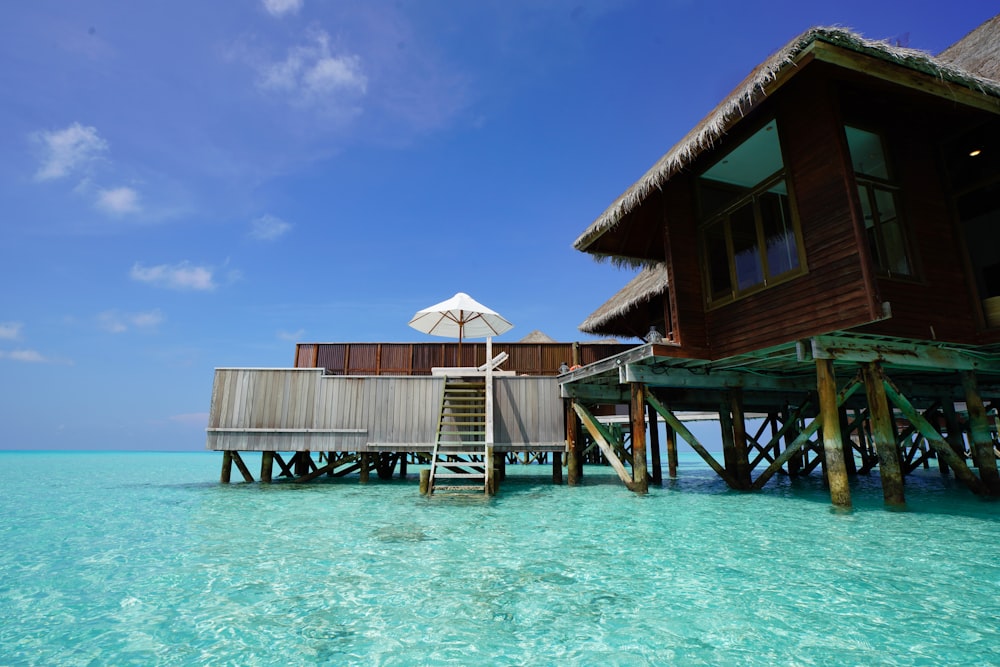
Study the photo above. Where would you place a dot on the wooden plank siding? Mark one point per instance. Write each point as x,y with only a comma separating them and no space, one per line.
419,358
304,409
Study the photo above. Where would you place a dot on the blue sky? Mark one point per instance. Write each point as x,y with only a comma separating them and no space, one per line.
188,185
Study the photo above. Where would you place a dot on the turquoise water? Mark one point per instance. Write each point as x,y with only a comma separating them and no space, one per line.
115,559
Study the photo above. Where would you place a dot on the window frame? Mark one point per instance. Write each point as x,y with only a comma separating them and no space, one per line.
752,197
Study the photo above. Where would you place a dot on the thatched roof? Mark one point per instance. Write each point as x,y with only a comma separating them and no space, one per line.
978,52
749,94
537,336
649,284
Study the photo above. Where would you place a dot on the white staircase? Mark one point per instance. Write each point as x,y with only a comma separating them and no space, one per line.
459,461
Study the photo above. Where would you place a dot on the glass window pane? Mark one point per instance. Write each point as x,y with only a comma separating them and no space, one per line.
867,155
718,261
746,248
779,234
894,245
871,231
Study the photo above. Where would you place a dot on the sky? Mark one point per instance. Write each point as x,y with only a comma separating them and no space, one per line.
188,185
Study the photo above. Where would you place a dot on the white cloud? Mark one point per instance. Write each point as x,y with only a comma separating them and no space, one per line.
67,150
268,228
312,74
199,419
10,330
183,276
118,322
118,201
27,356
282,7
291,336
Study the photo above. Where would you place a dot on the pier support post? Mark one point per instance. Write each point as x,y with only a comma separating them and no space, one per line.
833,446
979,430
795,461
557,468
671,451
845,432
365,467
742,455
726,433
572,445
884,434
425,481
640,478
266,465
402,465
227,467
955,437
654,444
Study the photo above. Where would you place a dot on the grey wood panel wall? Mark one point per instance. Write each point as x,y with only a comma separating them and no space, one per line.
257,409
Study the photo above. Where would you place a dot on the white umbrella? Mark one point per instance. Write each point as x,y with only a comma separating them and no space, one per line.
460,317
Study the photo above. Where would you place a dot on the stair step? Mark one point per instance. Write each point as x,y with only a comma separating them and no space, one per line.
481,488
461,475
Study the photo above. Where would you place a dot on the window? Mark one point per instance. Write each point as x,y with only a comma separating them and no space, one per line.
879,198
749,237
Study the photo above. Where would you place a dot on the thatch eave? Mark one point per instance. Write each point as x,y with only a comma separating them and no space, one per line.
751,91
650,283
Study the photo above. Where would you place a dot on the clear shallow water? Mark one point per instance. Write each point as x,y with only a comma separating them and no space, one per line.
145,559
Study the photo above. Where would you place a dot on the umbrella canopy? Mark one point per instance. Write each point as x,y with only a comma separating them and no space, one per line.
460,317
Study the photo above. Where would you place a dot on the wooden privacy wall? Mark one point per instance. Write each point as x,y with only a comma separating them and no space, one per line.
420,358
303,409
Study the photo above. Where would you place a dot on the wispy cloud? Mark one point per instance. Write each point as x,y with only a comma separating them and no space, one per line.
26,356
199,419
66,151
311,74
182,276
291,336
10,330
118,201
268,228
282,7
119,322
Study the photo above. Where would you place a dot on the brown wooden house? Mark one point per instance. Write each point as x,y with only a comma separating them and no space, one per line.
841,205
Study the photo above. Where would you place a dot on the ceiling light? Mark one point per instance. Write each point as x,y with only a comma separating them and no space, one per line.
974,153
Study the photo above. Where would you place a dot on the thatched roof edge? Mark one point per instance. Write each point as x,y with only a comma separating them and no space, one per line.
714,126
649,283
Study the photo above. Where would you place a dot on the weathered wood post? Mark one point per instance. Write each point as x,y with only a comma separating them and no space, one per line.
227,467
979,430
741,454
557,476
572,445
728,444
671,451
884,434
266,465
836,472
365,467
640,478
654,444
402,465
795,462
425,481
955,437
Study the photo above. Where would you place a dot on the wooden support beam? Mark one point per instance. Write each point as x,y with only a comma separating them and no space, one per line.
955,436
884,434
979,430
603,440
742,471
557,476
227,467
934,439
671,451
932,356
592,393
637,412
654,444
266,466
836,472
848,445
663,376
365,467
313,474
689,438
238,460
286,469
572,445
726,434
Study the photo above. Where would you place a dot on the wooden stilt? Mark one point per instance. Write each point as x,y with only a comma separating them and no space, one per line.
742,461
402,466
836,472
557,476
955,436
640,474
884,434
792,421
227,467
266,466
979,430
238,460
654,444
671,451
425,481
365,467
302,461
728,443
845,432
572,445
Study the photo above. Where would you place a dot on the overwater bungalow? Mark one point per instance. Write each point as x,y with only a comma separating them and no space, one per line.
821,251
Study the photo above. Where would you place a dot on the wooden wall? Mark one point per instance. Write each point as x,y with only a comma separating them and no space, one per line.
303,409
